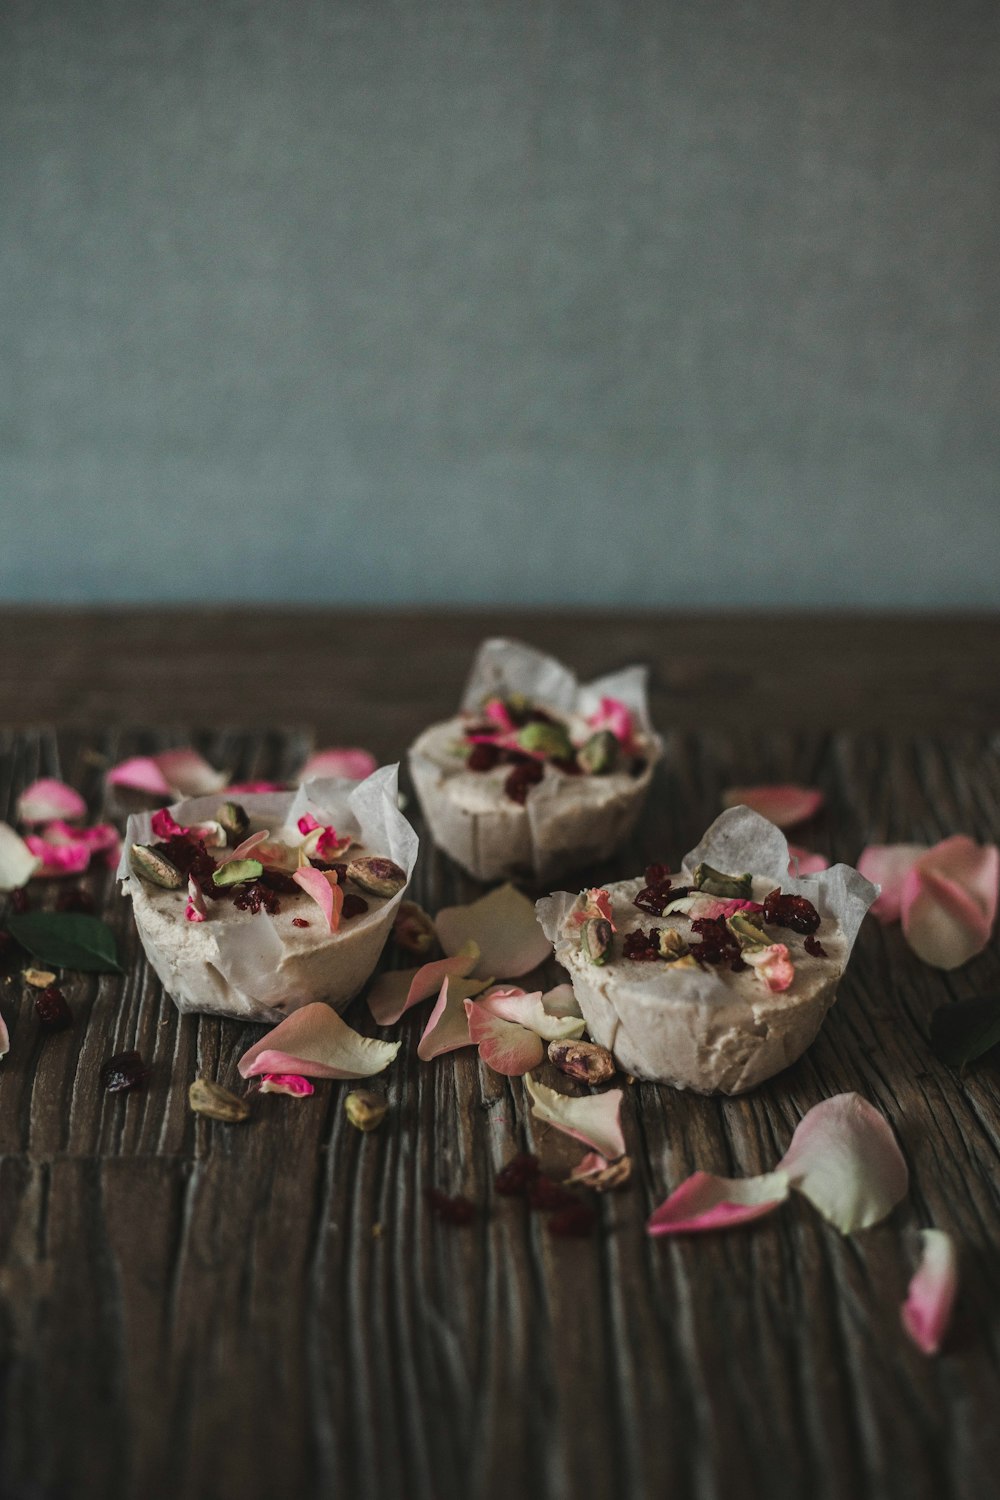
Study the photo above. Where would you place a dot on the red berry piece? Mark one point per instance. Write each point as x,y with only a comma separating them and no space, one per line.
657,874
51,1008
523,777
124,1071
717,944
353,906
790,911
518,1175
299,922
545,1196
814,946
642,947
573,1222
457,1210
483,757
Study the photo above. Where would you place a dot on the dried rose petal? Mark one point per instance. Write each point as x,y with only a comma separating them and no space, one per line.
931,1294
286,1083
48,799
782,805
314,1042
504,926
593,1119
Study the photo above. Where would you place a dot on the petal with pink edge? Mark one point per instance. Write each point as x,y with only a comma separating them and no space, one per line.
949,901
17,862
354,765
594,1119
189,774
67,857
140,774
845,1159
512,1004
447,1026
246,848
887,865
314,1042
562,1001
805,862
504,926
286,1083
395,991
165,825
503,1046
708,1202
930,1296
783,805
47,799
324,889
772,966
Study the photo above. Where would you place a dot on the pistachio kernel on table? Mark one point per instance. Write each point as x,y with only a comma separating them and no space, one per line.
365,1109
211,1099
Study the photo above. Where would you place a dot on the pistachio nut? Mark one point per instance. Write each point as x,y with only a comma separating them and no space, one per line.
546,739
236,871
716,883
39,979
746,931
671,945
595,939
365,1109
600,755
234,820
208,1098
377,875
584,1060
156,868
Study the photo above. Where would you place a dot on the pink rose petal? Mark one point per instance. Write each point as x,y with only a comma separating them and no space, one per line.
845,1159
512,1004
589,904
323,887
165,826
503,1046
63,858
247,848
783,805
447,1026
396,990
47,799
354,765
698,906
594,1119
140,774
931,1294
613,715
504,927
307,823
99,837
562,1001
498,713
887,865
17,863
286,1083
189,774
949,901
708,1202
805,862
196,910
314,1042
772,965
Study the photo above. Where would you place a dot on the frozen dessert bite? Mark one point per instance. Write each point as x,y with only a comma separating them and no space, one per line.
537,774
255,907
719,976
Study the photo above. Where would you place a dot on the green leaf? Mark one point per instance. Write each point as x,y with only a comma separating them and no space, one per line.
966,1029
237,871
68,940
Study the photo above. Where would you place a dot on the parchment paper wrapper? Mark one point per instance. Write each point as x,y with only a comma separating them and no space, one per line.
261,969
566,822
688,1028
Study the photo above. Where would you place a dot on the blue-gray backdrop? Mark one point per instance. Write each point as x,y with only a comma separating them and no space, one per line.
586,301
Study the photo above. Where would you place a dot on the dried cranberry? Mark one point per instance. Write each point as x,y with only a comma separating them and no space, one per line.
814,946
657,874
654,898
574,1221
277,880
20,902
717,944
255,896
299,922
546,1195
75,900
518,1175
566,765
790,911
524,776
52,1010
483,757
457,1210
641,947
124,1071
353,906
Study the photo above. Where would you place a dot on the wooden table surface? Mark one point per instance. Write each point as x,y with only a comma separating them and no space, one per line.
189,1309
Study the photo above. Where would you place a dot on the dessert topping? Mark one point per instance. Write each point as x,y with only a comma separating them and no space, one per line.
549,740
790,911
155,867
522,779
600,755
237,871
234,820
596,936
716,883
672,946
377,875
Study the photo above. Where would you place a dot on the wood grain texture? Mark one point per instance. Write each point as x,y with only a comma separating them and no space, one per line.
208,1311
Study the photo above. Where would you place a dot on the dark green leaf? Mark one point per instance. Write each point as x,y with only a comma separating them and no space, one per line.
966,1029
67,940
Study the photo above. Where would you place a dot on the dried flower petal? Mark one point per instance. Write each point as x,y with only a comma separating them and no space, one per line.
561,1001
286,1083
172,773
4,1038
447,1026
397,989
704,1202
931,1294
886,865
593,1119
62,858
17,862
316,1043
503,1046
782,805
504,926
352,765
845,1159
949,901
772,965
508,1003
325,890
48,799
805,862
195,910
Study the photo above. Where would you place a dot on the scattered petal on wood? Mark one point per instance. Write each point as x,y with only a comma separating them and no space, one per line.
603,1176
845,1159
707,1202
397,989
504,1046
931,1294
562,1001
504,926
949,901
805,862
512,1004
785,806
887,865
48,799
352,765
4,1038
316,1043
594,1119
447,1026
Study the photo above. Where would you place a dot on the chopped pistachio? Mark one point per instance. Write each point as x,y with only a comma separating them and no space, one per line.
377,875
39,979
234,820
156,868
583,1060
671,945
595,939
600,755
715,883
236,871
208,1098
546,739
365,1109
746,931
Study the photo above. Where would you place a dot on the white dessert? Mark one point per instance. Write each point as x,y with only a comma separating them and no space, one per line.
260,966
566,821
704,1027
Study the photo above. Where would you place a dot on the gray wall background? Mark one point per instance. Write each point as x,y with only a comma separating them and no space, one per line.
688,303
